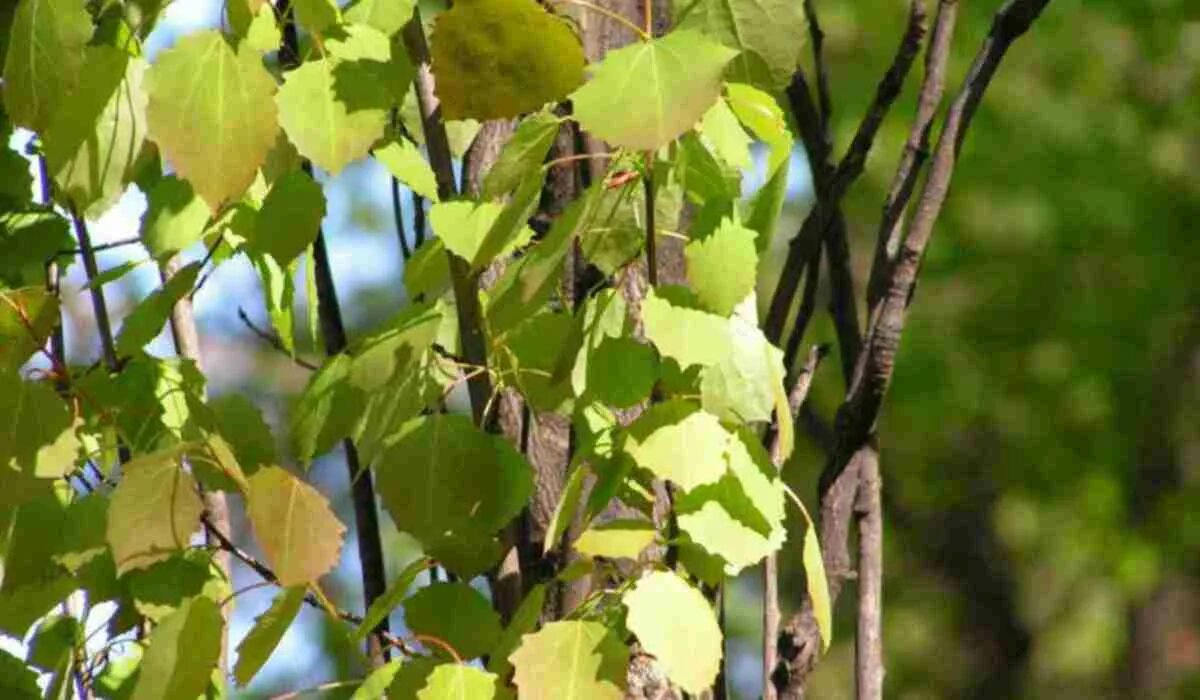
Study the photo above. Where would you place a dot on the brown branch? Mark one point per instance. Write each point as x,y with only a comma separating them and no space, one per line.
855,455
852,164
916,149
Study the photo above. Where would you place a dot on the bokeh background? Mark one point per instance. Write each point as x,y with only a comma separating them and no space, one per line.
1041,442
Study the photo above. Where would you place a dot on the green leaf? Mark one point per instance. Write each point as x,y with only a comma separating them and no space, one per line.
27,240
279,290
45,59
294,525
290,218
575,660
334,110
727,138
456,614
328,410
117,680
744,386
37,431
498,59
22,607
522,155
766,206
740,518
388,16
768,33
384,604
675,624
145,322
182,653
154,511
83,532
616,539
462,225
240,422
564,512
461,133
200,93
27,318
449,484
537,354
427,272
268,630
523,621
53,642
814,573
263,34
114,273
375,685
603,316
317,15
702,177
621,372
94,148
723,268
159,590
17,681
677,441
686,335
645,95
405,162
411,678
509,231
460,682
175,217
761,114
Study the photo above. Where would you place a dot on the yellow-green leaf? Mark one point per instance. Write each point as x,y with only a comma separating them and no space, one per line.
675,624
45,59
498,59
294,525
571,660
212,114
267,632
616,539
405,162
814,573
182,653
154,511
645,95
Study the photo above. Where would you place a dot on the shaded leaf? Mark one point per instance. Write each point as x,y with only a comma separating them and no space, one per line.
294,525
159,590
768,33
175,217
522,155
182,653
500,58
456,614
146,321
37,430
290,218
328,410
390,600
154,511
621,372
268,630
723,267
27,318
45,59
523,621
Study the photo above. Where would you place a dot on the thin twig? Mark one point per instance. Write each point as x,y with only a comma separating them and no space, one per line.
99,305
273,340
852,164
817,36
208,256
98,248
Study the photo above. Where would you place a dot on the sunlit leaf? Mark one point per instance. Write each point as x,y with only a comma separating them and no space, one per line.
676,625
817,583
678,441
723,267
769,34
524,620
405,162
684,334
616,539
645,95
175,217
37,431
462,682
523,153
572,660
384,604
201,93
388,16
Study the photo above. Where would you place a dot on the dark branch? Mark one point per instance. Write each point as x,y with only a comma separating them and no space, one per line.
273,340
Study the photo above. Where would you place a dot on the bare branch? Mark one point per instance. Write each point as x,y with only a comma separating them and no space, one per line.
273,340
916,149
